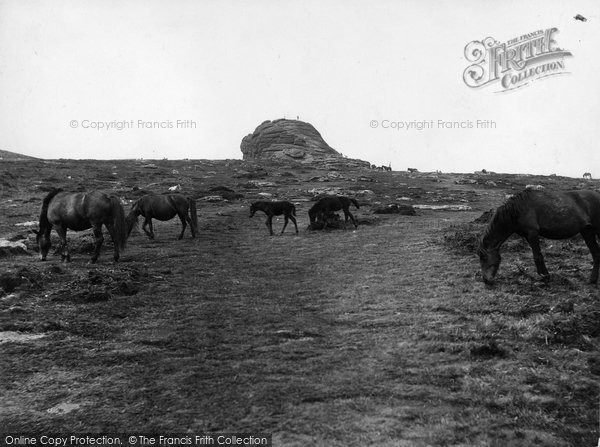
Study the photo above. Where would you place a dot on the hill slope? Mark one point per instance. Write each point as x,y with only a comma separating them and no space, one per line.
7,155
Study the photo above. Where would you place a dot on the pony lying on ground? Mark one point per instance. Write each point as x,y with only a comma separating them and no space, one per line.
163,207
535,213
325,206
81,211
275,209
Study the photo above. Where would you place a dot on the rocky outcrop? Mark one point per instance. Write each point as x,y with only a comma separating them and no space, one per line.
285,138
293,140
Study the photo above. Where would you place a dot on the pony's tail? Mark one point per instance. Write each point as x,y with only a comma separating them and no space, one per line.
355,203
293,210
193,214
119,235
45,203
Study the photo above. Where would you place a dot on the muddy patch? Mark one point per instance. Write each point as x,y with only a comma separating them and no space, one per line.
100,285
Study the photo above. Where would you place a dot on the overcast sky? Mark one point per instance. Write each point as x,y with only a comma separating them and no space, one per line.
344,66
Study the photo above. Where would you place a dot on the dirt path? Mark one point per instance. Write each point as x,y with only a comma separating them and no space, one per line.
287,329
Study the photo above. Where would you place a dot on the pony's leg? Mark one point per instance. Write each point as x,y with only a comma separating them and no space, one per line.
144,227
589,236
294,221
285,222
183,225
346,214
353,219
269,224
99,239
151,229
324,219
111,230
64,249
538,258
189,221
148,221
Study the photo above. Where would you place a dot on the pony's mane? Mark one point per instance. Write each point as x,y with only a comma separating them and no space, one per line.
514,205
44,222
506,214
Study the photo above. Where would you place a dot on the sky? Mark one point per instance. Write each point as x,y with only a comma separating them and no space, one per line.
149,79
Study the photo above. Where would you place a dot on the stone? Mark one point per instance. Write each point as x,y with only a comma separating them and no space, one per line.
294,140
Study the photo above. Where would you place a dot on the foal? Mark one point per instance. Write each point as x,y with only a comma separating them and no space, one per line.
275,209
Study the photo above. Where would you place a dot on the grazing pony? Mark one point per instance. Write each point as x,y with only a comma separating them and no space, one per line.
81,211
163,207
587,176
325,206
534,213
275,209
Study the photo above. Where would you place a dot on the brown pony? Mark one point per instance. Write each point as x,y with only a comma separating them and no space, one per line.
81,211
164,207
325,206
271,209
534,213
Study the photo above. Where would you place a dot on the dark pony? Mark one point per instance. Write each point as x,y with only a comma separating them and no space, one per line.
535,213
276,209
164,207
81,211
325,206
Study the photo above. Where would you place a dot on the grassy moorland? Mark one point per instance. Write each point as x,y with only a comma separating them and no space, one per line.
381,336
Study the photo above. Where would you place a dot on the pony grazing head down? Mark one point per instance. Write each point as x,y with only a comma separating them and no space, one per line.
131,220
489,260
43,242
496,233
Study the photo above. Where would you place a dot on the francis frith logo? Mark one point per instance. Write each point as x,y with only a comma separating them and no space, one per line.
516,62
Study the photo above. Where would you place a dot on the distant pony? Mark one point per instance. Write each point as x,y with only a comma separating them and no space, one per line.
411,170
325,206
587,176
164,207
276,209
